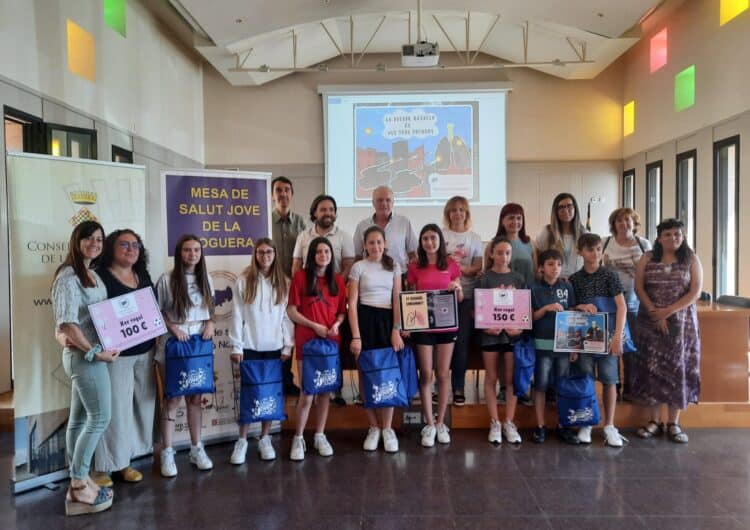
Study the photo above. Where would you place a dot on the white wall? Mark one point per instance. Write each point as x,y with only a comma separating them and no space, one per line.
721,110
146,84
282,122
719,54
148,98
561,135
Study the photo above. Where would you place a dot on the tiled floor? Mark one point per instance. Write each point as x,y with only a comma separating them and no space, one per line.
469,484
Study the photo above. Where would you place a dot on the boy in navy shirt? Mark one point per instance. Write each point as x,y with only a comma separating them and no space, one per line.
548,296
591,282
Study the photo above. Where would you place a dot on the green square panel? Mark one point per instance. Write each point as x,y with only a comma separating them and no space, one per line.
114,15
684,89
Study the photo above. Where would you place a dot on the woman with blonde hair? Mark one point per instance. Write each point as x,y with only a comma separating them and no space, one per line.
260,328
465,247
621,252
562,233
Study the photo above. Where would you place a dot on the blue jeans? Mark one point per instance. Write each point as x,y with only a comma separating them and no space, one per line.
90,409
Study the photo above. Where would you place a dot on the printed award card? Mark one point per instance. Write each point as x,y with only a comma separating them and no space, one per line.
127,320
429,311
502,308
580,332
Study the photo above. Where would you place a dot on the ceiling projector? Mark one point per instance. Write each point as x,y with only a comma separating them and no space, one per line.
420,54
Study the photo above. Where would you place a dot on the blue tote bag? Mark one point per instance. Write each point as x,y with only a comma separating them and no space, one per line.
577,404
262,393
382,382
321,367
408,366
524,359
605,304
189,366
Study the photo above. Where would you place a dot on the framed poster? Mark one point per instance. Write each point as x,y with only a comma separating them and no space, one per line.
429,311
580,332
502,308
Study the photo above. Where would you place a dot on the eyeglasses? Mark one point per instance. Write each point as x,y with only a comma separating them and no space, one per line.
561,207
125,245
268,252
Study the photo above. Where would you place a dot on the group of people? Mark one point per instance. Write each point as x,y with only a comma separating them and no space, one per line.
309,282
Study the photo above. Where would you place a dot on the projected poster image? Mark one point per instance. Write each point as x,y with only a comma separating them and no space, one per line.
422,152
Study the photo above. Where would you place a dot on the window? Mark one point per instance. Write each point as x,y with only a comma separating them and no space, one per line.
686,164
122,156
726,220
653,198
71,141
628,189
23,132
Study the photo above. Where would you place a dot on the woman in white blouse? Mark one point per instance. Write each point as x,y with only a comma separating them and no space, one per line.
260,328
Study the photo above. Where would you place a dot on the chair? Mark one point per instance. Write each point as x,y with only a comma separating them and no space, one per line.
737,301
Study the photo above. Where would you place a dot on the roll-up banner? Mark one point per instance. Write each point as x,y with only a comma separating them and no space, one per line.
228,211
47,197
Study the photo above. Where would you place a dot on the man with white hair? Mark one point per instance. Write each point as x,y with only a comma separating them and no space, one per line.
400,239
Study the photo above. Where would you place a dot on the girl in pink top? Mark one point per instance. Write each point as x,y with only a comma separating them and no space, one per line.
434,270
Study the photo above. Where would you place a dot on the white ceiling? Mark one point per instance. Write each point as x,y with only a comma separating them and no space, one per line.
557,30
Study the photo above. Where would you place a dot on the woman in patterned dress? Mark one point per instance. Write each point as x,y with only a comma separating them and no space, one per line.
666,369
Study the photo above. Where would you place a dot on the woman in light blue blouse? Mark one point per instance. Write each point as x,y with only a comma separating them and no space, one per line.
75,287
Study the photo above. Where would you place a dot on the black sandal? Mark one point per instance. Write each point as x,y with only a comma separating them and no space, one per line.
676,434
651,430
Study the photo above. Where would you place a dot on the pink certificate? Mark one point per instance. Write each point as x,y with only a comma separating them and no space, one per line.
127,320
502,308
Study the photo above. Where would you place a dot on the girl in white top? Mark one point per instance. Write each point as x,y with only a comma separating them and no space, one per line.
465,247
563,232
260,327
186,300
374,287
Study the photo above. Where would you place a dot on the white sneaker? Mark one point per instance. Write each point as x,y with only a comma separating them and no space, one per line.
584,435
199,457
372,440
496,432
390,442
612,436
511,433
239,452
168,466
320,442
298,449
442,434
428,436
265,448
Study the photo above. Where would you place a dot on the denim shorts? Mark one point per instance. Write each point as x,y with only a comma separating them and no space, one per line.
607,367
549,367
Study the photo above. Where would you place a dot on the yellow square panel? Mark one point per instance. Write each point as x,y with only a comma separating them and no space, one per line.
628,118
81,52
730,9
